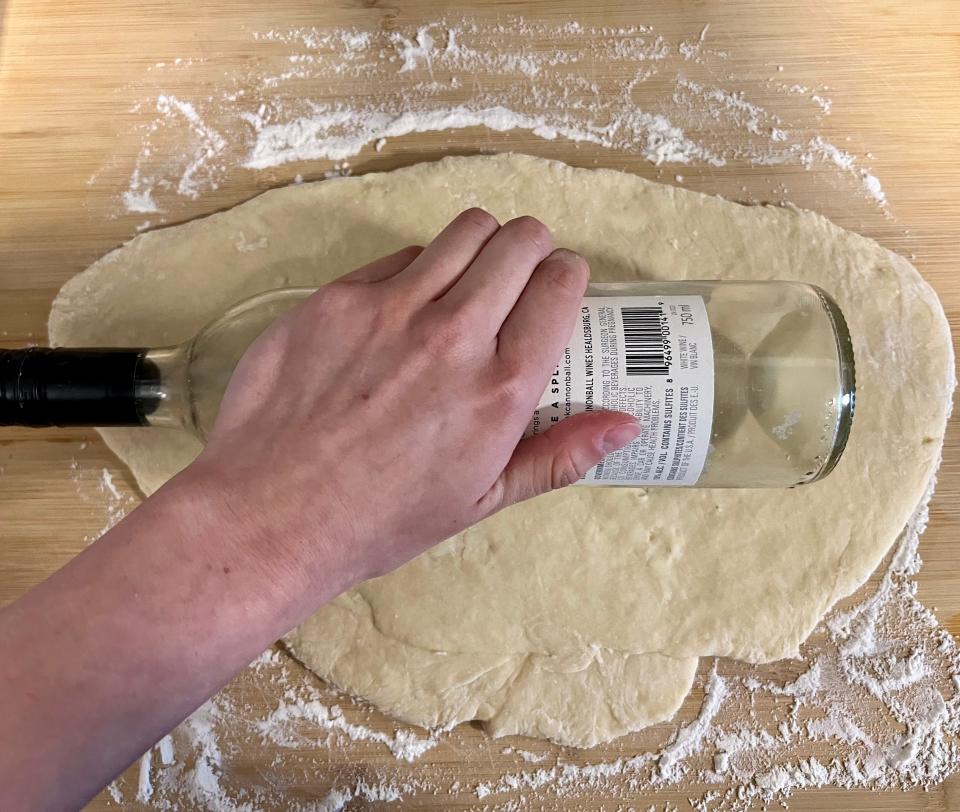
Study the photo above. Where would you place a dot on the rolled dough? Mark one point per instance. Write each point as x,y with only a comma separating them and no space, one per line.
578,616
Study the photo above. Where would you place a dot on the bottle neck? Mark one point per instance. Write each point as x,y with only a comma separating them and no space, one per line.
164,386
42,386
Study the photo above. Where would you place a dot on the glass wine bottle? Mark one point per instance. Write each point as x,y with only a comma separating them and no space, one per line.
737,384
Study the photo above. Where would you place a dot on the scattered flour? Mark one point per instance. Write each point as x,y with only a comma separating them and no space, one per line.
114,792
690,737
97,486
873,187
874,703
198,777
209,142
165,747
526,755
139,196
335,133
144,786
451,76
106,484
278,727
824,103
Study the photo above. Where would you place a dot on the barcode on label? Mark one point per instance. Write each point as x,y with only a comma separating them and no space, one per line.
645,340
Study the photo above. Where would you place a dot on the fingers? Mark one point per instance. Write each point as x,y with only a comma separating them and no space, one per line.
489,288
542,320
452,250
385,267
560,456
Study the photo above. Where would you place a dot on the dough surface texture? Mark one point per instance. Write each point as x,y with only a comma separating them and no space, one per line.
579,616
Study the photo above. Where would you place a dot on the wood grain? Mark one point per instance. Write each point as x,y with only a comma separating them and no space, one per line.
69,73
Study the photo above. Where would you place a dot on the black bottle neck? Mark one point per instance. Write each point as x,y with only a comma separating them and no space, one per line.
42,386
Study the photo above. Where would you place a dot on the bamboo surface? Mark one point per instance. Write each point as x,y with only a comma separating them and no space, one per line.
70,71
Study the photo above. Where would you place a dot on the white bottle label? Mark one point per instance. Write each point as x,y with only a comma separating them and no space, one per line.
651,356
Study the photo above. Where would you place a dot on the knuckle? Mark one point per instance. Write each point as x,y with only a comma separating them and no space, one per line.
564,470
495,498
567,273
448,335
332,297
532,230
410,252
518,371
512,389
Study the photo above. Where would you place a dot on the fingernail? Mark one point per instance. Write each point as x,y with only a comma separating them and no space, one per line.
570,257
619,436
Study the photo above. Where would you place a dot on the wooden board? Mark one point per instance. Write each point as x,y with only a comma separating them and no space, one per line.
69,73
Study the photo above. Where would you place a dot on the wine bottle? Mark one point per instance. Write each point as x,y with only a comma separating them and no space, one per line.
736,384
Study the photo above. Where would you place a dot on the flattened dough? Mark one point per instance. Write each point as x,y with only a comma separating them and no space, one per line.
578,616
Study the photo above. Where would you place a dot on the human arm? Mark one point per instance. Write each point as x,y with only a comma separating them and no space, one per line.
378,418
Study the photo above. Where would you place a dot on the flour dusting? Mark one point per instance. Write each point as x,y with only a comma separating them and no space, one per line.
873,703
279,727
294,101
144,785
96,487
690,737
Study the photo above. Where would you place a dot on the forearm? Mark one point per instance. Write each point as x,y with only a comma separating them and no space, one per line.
120,645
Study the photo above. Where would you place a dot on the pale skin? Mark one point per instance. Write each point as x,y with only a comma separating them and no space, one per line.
378,418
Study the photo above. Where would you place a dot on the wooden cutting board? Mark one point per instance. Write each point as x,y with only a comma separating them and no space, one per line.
69,73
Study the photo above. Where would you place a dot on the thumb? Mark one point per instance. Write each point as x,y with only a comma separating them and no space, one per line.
561,455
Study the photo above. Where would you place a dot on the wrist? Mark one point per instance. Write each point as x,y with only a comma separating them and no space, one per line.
247,525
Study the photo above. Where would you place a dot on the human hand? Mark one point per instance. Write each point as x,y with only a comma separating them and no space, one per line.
386,412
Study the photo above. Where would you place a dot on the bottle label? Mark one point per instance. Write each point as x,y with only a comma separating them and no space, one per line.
651,356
